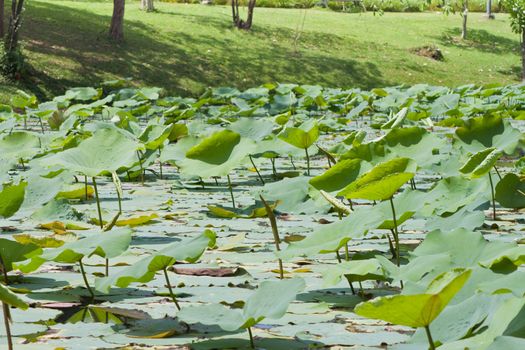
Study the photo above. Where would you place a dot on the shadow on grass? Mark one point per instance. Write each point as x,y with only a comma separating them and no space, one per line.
69,47
481,40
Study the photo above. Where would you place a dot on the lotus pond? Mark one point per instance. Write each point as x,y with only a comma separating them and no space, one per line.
280,217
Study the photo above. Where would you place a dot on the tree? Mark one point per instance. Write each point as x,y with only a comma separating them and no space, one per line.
516,9
489,13
12,60
237,21
116,29
2,15
450,6
147,5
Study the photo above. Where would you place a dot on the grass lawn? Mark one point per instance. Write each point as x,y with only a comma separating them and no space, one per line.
185,48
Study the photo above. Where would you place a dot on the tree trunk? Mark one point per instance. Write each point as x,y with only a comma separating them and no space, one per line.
2,15
237,21
147,5
116,29
15,21
464,15
489,13
523,54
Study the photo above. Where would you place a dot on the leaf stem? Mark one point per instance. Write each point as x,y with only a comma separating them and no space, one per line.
307,162
293,164
84,277
141,169
160,164
231,190
252,343
98,203
429,337
5,309
275,231
274,171
493,197
172,295
396,233
86,187
257,170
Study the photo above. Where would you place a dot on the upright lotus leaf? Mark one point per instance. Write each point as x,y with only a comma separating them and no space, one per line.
255,129
510,191
480,163
396,119
270,300
355,271
13,251
330,238
153,136
144,270
105,244
382,182
217,155
340,175
301,138
418,310
488,131
11,198
10,298
19,145
106,151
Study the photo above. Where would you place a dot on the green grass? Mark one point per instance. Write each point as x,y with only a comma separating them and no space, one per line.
185,48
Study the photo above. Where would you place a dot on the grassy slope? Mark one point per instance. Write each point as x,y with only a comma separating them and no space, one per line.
185,48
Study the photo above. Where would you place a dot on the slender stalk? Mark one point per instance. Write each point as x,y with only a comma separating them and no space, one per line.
216,182
172,295
141,168
338,256
307,162
160,164
98,203
361,291
347,255
493,197
351,204
252,343
390,244
231,191
293,164
351,285
23,165
84,277
429,337
274,171
257,170
41,125
396,233
275,231
497,172
85,187
5,309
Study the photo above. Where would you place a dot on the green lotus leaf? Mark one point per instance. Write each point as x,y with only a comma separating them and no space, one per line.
480,163
417,310
106,151
299,137
270,300
11,198
13,251
144,270
510,191
382,182
105,244
19,145
488,131
340,175
10,298
216,155
354,270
